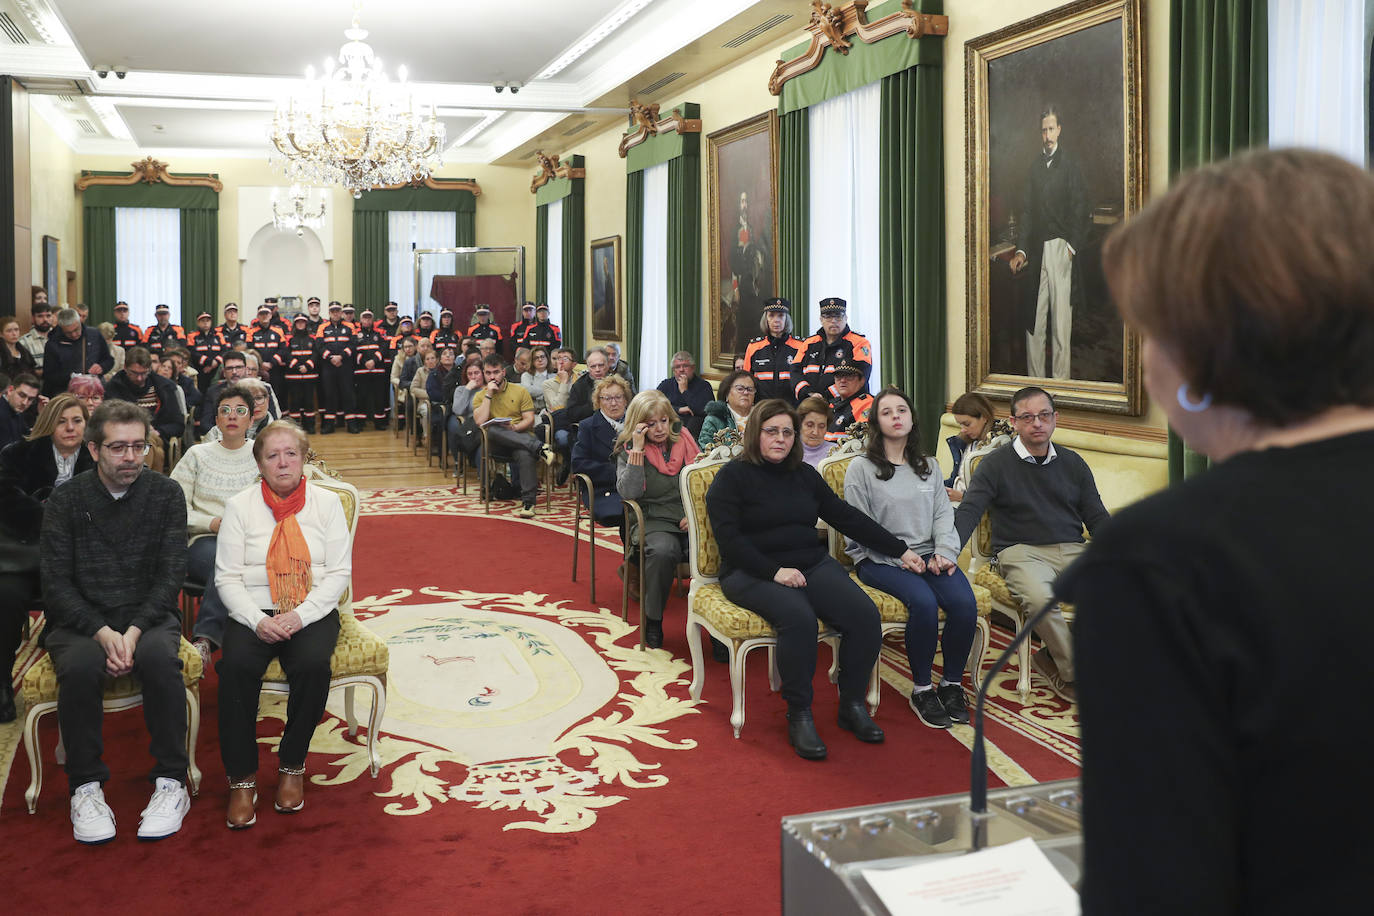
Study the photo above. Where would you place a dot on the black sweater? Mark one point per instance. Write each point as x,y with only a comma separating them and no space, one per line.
113,562
1032,503
1223,654
764,518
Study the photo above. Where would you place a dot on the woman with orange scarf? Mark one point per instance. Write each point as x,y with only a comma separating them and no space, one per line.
283,561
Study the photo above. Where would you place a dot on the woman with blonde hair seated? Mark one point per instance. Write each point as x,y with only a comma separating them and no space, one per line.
652,451
284,559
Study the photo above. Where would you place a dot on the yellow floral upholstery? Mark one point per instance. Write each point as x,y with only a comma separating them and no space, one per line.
358,651
695,482
729,619
890,610
40,681
991,580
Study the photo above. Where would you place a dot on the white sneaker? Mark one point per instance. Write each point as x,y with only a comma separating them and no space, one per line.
92,820
165,810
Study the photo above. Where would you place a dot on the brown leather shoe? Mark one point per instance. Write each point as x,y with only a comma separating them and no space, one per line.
243,801
290,791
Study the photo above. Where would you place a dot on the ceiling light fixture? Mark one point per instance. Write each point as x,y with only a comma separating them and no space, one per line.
352,127
290,213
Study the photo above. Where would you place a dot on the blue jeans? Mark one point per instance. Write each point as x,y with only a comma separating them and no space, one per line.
200,568
924,594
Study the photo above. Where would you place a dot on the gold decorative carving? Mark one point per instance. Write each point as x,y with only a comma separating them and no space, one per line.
437,184
150,171
650,125
832,26
549,169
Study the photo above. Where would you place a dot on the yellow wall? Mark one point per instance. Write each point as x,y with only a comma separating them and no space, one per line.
504,216
56,210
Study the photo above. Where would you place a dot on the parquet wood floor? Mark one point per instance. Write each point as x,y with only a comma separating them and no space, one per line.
375,459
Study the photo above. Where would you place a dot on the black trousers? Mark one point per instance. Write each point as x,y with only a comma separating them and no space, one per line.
80,665
833,597
305,659
337,385
18,593
371,388
300,396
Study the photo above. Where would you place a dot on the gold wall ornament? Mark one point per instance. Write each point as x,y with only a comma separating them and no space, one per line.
832,26
649,124
149,171
549,169
435,184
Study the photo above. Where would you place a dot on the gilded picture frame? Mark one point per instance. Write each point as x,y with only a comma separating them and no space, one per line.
1055,136
608,309
742,241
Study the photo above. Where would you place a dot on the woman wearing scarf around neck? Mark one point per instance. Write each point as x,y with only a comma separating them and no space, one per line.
652,452
284,559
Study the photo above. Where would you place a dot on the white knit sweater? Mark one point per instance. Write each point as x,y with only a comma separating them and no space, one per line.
209,474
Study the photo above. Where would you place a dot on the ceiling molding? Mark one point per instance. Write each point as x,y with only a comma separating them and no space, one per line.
832,26
149,171
44,61
591,38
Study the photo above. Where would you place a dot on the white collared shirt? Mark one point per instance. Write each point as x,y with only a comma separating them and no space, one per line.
1024,454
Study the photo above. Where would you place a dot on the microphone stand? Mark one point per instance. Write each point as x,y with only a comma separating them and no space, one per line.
978,780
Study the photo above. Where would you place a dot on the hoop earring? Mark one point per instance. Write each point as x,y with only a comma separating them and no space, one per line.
1187,403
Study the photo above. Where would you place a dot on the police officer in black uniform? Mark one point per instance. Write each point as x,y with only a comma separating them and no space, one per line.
424,325
125,334
769,358
231,332
483,328
542,333
302,372
313,318
390,324
206,348
852,401
371,372
336,371
164,335
517,330
268,339
447,335
813,370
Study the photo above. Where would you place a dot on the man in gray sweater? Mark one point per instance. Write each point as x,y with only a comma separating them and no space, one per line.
113,551
1041,497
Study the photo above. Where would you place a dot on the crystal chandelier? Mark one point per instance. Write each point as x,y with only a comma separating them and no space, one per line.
353,128
292,215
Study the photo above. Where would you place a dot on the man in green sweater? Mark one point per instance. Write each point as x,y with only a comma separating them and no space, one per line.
1041,497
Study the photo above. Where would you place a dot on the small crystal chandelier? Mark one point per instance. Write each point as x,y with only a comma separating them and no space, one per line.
353,128
292,215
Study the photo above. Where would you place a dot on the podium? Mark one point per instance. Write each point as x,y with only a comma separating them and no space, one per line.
825,854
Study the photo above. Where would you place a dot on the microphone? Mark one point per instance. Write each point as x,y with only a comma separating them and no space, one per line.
978,779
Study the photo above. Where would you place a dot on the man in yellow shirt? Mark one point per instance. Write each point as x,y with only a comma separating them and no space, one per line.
507,411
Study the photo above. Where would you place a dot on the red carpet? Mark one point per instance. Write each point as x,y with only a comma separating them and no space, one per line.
705,841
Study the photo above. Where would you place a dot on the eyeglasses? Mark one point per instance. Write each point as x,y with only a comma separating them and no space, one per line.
120,449
227,411
778,432
612,398
259,398
1043,416
743,389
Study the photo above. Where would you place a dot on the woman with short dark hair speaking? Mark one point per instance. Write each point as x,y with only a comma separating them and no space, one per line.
1223,627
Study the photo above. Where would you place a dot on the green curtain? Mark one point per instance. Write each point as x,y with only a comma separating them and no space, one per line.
574,266
199,264
633,288
541,253
794,215
371,285
465,233
684,255
1218,105
98,256
911,275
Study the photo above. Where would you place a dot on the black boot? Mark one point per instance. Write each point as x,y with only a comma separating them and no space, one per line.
653,633
355,426
801,731
854,718
7,710
381,423
308,424
719,651
326,426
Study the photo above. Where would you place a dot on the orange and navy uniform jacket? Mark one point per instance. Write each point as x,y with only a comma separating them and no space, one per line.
277,321
847,411
769,360
489,331
127,334
517,331
446,337
231,336
394,343
270,343
541,334
813,371
336,340
206,348
389,328
157,339
302,357
311,324
370,344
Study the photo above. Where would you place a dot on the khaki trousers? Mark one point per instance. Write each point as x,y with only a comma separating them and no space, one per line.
1029,571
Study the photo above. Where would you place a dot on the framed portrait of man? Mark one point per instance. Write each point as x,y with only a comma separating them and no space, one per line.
1056,158
742,228
607,315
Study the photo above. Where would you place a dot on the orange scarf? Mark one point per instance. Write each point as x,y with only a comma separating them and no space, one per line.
288,555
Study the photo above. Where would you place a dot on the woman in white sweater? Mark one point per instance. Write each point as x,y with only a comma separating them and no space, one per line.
896,484
284,560
209,474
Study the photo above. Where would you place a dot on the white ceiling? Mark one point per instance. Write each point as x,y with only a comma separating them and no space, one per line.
210,73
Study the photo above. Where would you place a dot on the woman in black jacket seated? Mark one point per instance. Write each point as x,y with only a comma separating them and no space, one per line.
29,471
596,435
763,508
